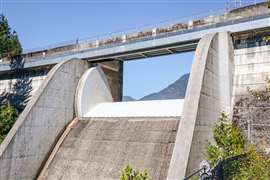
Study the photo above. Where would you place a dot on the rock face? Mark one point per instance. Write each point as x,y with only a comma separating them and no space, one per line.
98,148
176,90
252,116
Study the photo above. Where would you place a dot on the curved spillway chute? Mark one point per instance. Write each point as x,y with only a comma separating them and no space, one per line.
92,89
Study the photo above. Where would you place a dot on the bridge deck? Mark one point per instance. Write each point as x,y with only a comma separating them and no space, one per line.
169,43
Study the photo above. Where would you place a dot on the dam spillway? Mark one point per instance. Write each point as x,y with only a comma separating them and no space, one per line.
72,129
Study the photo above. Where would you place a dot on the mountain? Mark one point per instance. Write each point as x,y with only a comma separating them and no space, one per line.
176,90
128,98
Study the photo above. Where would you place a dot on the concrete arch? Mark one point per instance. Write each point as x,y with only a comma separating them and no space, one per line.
30,140
208,93
92,89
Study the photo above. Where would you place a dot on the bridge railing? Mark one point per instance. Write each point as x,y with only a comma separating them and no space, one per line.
161,28
182,25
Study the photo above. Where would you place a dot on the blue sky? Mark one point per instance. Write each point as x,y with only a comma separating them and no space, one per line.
44,22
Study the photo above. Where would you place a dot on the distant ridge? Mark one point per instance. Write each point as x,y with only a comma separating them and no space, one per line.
128,98
176,90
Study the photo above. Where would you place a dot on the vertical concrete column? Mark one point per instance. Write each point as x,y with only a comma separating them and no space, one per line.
208,93
114,74
225,67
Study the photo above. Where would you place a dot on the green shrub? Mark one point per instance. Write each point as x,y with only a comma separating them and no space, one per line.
255,166
8,116
128,173
229,142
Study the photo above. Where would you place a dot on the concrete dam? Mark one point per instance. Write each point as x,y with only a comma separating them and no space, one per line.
76,127
74,130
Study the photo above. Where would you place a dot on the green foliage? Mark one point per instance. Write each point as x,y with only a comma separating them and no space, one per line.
8,116
229,142
266,38
9,42
128,173
12,103
10,47
255,166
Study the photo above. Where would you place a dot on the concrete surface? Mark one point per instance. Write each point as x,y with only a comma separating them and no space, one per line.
92,89
30,140
251,68
98,148
208,93
6,83
157,108
114,74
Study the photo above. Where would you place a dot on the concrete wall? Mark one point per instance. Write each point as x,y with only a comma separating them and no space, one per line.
208,93
31,138
251,68
7,82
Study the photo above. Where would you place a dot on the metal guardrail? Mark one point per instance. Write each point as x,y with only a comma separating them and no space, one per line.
118,36
129,31
169,34
144,38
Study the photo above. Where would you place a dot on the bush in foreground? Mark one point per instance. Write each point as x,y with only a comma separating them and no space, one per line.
229,142
128,173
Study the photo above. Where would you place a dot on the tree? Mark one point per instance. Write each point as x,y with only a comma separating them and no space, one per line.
12,103
128,173
9,43
230,142
20,93
10,48
8,115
